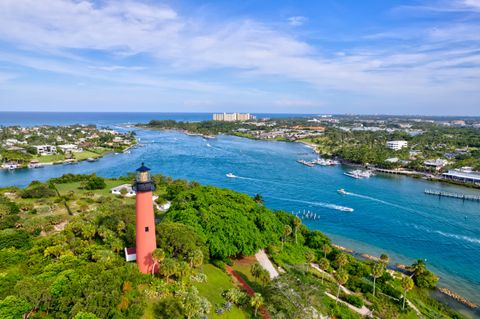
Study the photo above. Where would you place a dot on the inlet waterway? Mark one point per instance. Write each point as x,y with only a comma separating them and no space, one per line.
391,213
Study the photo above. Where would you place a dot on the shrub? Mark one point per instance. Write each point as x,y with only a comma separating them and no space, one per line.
14,238
38,191
354,300
94,182
219,264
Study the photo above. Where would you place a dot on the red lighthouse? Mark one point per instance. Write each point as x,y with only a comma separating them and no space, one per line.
145,227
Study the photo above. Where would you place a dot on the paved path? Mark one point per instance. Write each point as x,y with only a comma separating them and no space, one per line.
364,311
315,266
263,311
263,260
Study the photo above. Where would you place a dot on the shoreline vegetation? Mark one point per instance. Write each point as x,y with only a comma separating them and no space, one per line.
71,231
353,143
38,146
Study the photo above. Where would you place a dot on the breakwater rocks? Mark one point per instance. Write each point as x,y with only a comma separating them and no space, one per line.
458,298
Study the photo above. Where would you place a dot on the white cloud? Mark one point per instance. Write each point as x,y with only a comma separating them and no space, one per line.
297,21
179,47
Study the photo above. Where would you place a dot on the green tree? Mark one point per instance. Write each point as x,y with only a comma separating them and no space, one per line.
327,249
168,268
297,222
85,315
407,284
158,255
264,277
258,199
385,259
13,307
341,260
256,302
377,271
168,308
324,264
309,258
196,258
287,231
94,182
342,277
256,270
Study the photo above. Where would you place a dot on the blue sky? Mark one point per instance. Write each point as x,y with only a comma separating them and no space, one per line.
371,56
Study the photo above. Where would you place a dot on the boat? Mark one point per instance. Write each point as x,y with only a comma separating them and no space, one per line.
208,145
35,164
342,191
230,175
358,174
91,159
345,209
309,164
326,162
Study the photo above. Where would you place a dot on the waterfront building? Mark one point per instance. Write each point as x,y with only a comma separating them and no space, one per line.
397,145
232,117
464,174
66,148
145,220
45,150
436,164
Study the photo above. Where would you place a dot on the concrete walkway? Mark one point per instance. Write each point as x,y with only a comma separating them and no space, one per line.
364,311
324,273
263,260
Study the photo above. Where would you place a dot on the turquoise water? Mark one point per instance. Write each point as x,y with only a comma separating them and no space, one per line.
391,212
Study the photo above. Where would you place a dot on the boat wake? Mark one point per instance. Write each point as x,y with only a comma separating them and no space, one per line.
319,204
472,240
379,201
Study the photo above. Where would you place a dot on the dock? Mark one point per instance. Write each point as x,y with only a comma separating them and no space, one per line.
309,164
452,195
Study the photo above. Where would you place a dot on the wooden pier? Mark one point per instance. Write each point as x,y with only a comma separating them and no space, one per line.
452,195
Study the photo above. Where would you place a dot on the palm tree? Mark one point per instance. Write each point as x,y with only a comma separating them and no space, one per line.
377,272
287,231
168,267
158,255
256,270
342,278
407,284
324,264
196,258
341,260
256,301
309,258
384,259
296,224
327,249
264,277
258,198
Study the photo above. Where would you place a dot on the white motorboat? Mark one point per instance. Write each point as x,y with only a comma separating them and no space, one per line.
230,175
358,174
342,191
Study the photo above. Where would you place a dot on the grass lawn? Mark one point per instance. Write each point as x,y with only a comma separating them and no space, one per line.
217,282
49,158
67,187
80,156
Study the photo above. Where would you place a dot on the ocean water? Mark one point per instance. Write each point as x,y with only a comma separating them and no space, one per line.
391,213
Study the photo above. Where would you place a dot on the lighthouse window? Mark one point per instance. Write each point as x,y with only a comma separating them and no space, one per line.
146,229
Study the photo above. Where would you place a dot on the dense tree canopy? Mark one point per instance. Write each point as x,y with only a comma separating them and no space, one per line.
234,224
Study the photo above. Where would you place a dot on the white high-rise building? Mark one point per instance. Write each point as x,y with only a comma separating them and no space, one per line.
232,117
